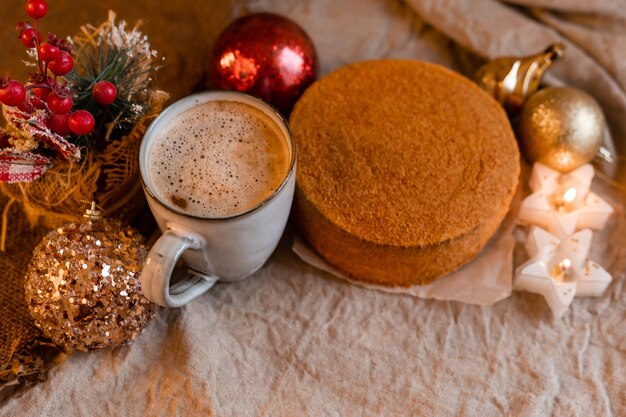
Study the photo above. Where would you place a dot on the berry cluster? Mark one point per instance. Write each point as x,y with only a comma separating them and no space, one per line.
47,90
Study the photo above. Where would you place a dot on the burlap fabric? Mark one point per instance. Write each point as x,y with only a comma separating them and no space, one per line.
20,361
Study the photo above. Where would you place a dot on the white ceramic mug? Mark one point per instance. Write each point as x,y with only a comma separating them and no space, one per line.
226,248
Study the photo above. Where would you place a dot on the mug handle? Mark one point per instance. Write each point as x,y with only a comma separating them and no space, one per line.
159,265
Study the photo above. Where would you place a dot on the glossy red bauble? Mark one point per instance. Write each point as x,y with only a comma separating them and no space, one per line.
267,56
81,122
62,64
104,92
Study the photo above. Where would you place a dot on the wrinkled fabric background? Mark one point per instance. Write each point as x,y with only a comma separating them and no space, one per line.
293,341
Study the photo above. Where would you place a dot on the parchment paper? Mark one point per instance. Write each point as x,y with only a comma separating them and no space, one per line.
293,341
483,281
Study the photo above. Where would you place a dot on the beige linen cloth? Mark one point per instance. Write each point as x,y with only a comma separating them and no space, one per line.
292,341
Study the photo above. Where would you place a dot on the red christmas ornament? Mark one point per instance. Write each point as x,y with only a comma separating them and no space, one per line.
267,56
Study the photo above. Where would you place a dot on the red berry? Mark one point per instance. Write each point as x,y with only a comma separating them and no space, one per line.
58,123
58,104
36,8
41,92
81,122
13,94
62,64
104,92
48,52
27,36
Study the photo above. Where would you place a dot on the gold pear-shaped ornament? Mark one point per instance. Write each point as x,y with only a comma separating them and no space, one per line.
510,80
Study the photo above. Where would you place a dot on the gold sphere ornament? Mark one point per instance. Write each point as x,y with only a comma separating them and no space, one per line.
82,286
561,127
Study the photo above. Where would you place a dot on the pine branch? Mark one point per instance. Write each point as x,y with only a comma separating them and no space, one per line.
123,58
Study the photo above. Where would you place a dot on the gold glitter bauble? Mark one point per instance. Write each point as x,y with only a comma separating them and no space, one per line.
83,288
561,127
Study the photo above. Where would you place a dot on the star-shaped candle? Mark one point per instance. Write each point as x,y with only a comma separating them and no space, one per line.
562,203
559,269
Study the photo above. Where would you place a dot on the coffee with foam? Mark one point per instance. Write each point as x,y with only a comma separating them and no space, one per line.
218,159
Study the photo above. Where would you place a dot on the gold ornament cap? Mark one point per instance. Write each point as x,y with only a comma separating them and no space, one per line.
510,80
94,213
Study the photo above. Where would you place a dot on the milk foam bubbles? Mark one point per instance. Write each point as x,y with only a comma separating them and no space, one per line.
218,159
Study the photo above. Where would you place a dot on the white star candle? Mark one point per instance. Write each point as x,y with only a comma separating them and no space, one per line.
562,203
559,269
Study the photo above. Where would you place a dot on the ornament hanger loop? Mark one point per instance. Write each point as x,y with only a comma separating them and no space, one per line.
554,51
94,212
